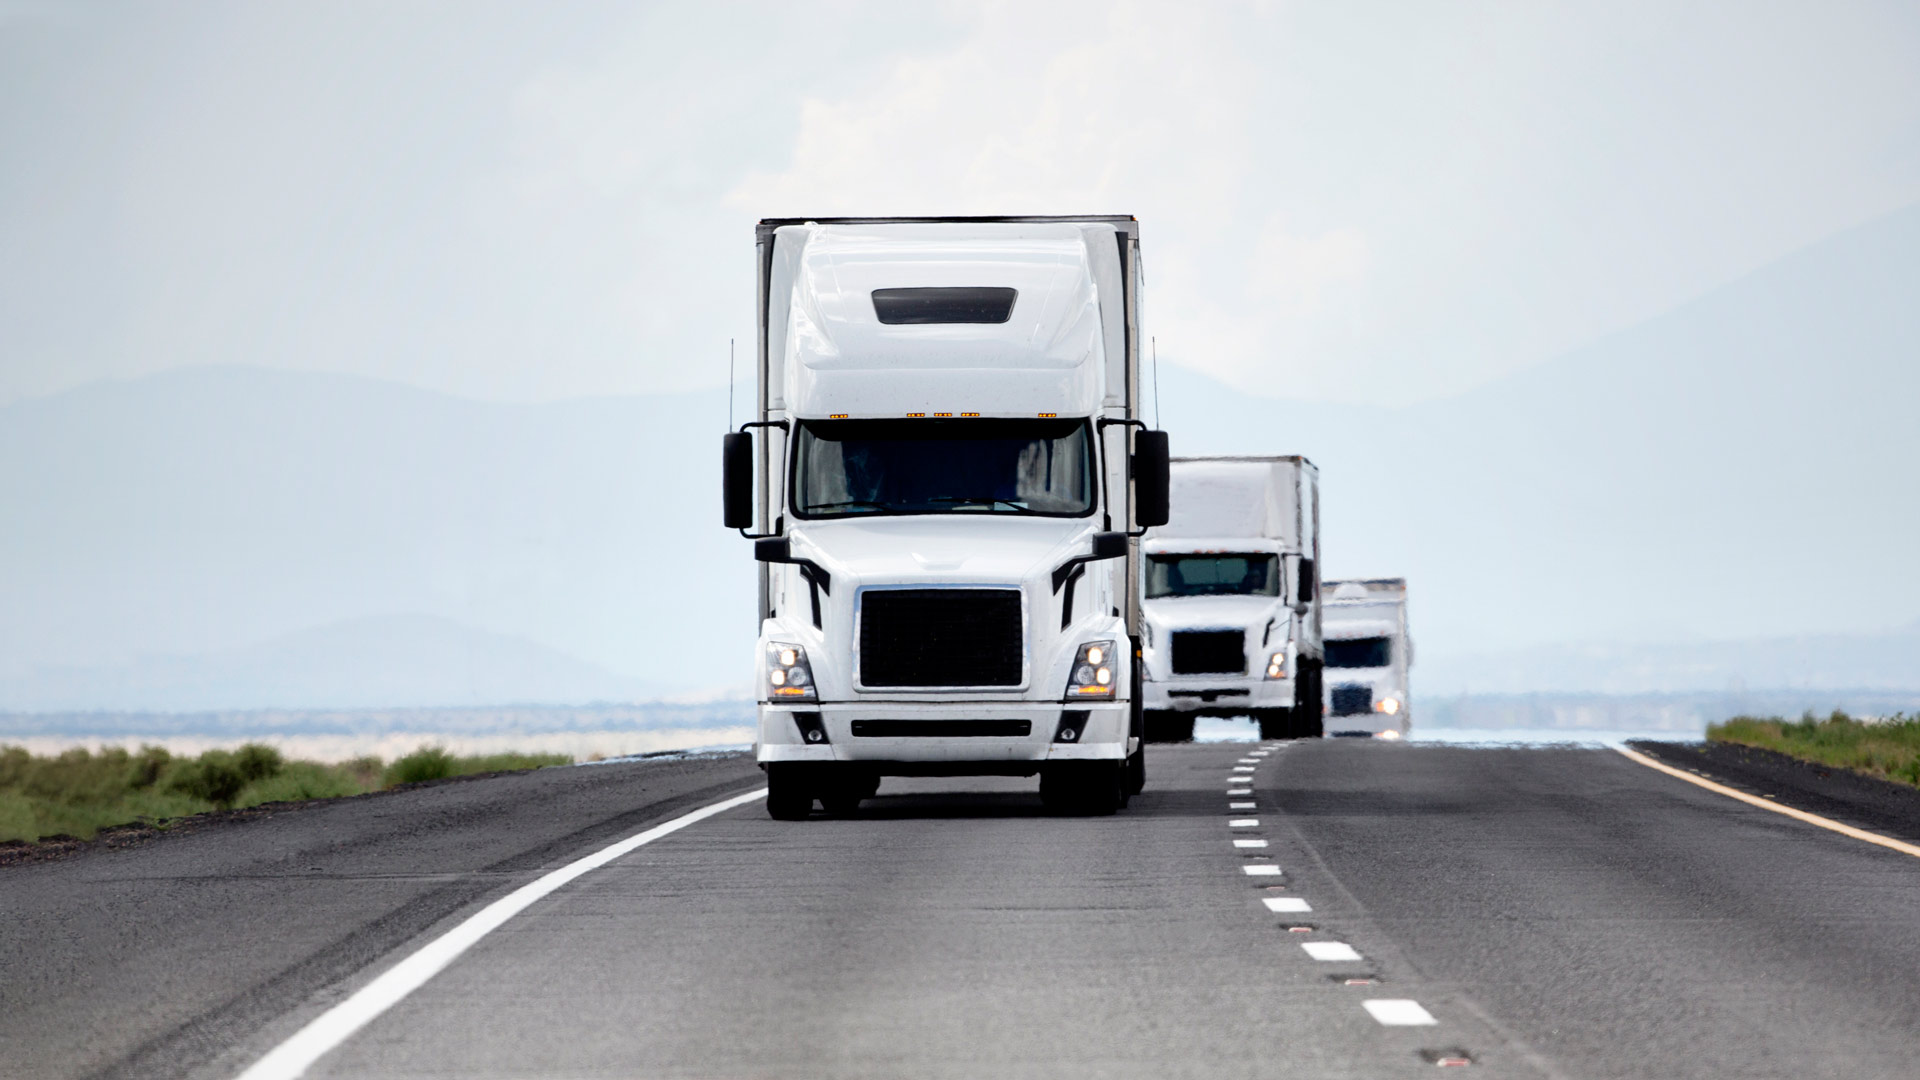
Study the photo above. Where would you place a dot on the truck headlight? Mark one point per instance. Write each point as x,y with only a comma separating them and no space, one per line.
789,678
1387,705
1092,671
1277,666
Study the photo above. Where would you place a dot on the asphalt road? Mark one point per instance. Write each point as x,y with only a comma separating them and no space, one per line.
1554,912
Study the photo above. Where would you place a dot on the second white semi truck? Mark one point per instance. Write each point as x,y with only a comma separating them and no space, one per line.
1368,654
1233,598
946,482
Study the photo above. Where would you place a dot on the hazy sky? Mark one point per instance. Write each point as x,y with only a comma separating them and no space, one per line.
530,201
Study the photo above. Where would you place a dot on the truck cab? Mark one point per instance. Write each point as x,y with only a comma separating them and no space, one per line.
1368,655
1232,598
946,483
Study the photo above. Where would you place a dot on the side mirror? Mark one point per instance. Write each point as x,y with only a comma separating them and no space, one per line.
1304,593
1109,545
736,480
1151,479
774,549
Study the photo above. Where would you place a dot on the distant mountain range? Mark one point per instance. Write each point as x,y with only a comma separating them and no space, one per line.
1737,470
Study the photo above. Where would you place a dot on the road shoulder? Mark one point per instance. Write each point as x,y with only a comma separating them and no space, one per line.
1864,802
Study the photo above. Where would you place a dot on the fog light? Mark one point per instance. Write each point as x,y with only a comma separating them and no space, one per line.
816,736
1068,734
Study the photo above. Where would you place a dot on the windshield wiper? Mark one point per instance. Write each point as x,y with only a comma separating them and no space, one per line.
866,504
987,499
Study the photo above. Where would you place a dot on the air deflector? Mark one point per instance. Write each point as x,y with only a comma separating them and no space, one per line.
969,304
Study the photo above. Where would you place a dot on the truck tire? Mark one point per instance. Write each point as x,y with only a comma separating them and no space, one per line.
1136,780
840,794
1165,725
789,794
1309,709
1091,788
1274,724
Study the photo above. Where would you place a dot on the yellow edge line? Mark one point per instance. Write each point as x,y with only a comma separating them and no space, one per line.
1754,800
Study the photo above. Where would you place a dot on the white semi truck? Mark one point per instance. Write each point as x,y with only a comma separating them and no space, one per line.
1233,598
1368,654
946,482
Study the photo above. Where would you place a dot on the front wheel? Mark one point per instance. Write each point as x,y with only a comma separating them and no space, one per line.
789,796
1091,788
1166,725
1274,724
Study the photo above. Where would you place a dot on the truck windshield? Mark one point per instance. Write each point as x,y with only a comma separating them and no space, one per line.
1212,575
1360,652
934,466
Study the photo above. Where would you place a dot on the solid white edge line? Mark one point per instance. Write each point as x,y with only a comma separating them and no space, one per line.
292,1058
1754,800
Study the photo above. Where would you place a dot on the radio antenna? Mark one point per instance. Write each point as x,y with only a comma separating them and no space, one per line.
730,384
1156,381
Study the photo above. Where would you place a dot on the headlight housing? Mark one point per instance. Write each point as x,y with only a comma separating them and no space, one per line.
789,677
1093,672
1277,666
1388,705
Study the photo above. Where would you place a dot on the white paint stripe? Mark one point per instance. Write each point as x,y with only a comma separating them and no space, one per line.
1243,768
1249,761
1240,791
1330,950
331,1028
1261,870
1241,805
1249,843
1290,904
1798,815
1243,823
1399,1012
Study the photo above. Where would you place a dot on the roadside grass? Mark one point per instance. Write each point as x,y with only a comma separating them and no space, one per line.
1889,749
78,793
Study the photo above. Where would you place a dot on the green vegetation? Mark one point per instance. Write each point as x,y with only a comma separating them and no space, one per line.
78,793
1889,749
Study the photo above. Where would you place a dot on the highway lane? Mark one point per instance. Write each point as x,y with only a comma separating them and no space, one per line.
952,930
149,961
1555,913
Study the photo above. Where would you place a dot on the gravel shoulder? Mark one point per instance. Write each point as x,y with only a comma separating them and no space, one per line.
1864,802
149,959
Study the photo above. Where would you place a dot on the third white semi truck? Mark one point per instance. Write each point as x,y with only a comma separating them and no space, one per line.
1233,598
1368,654
946,480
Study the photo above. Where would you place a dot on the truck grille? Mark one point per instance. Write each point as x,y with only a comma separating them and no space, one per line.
1209,652
941,637
940,729
1349,700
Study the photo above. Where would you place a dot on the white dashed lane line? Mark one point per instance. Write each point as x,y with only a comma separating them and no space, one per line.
1331,950
1399,1012
1291,905
1243,768
1240,791
1261,870
1244,823
1240,806
1249,843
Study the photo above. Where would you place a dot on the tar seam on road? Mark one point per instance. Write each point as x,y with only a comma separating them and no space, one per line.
1753,800
292,1058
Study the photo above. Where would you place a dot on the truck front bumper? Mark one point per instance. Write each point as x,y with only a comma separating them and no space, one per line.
946,737
1223,695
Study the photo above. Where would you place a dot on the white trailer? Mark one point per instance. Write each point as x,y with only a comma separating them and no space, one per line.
947,480
1232,598
1368,654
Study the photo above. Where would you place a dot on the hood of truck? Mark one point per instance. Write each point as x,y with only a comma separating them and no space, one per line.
1005,549
1218,612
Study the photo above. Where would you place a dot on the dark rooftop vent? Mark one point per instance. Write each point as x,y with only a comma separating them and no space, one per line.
971,304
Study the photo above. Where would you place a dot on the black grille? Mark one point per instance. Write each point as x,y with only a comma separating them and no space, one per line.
1209,652
1348,700
940,637
896,729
